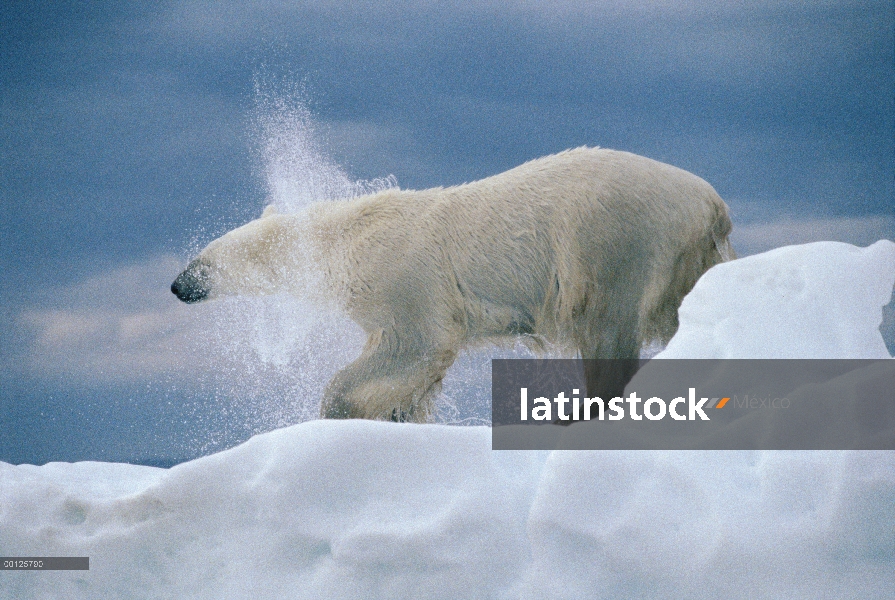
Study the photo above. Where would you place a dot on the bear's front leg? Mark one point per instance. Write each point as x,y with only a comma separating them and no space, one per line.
392,380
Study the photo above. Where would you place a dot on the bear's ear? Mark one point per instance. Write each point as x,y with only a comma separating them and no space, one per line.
269,210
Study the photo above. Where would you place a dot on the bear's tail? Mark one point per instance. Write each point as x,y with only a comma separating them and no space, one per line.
721,229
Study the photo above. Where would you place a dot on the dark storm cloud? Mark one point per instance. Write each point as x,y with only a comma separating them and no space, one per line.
485,86
120,123
106,147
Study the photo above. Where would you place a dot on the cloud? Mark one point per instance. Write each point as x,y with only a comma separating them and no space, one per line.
116,326
113,367
123,158
734,41
125,326
860,231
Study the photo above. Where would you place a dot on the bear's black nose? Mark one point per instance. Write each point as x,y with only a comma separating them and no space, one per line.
189,288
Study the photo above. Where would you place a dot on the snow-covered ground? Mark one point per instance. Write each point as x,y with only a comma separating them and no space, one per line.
342,509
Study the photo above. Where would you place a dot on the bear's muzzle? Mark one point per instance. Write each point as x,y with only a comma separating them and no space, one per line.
191,286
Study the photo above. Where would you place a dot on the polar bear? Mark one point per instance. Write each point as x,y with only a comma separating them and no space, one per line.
588,249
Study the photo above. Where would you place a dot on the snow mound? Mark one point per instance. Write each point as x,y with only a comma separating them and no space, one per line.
365,510
820,300
325,509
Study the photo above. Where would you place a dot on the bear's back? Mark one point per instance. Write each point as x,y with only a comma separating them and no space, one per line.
607,192
529,244
586,210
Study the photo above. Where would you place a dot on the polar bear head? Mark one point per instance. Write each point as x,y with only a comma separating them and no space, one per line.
255,259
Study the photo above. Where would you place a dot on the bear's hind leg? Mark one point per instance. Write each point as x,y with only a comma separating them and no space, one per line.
610,347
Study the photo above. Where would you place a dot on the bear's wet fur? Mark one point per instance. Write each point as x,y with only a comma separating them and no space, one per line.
590,249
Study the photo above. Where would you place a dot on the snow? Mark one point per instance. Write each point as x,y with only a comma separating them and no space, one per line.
819,300
355,509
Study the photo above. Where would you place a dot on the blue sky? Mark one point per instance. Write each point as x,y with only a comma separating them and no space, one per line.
130,136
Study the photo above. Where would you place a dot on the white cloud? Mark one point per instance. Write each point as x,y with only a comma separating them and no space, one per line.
860,231
121,325
125,326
